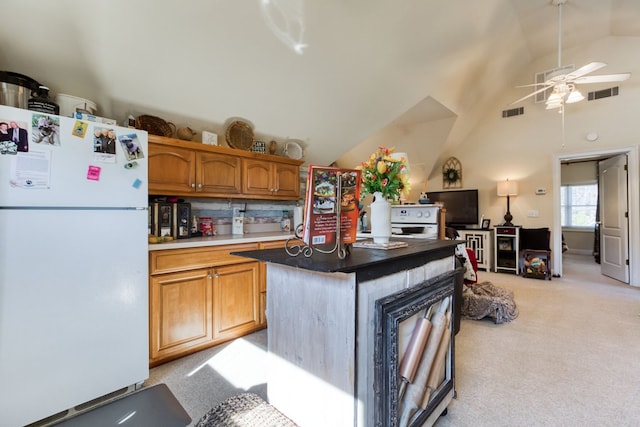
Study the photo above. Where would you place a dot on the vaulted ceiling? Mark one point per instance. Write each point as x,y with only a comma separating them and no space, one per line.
331,73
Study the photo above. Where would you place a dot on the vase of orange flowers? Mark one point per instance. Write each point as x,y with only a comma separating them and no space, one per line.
380,218
386,177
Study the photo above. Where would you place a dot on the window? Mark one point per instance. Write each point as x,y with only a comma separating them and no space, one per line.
578,205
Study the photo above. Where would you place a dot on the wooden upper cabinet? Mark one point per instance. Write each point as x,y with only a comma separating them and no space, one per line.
287,180
183,168
276,180
218,173
258,177
171,169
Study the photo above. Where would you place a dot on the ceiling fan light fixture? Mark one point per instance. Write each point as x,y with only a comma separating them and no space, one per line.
555,100
563,81
574,96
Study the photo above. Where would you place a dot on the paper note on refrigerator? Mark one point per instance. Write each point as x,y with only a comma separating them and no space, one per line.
31,170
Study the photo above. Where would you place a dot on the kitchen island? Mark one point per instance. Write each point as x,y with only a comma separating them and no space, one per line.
336,330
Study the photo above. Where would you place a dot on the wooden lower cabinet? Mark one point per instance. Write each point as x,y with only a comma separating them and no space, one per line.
194,306
236,300
263,279
181,313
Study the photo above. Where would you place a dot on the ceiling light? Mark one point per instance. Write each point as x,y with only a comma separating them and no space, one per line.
556,102
574,96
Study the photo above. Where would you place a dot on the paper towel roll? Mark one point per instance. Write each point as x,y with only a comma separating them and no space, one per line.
297,216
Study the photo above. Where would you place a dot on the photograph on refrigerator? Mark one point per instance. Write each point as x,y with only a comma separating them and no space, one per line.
45,128
13,137
104,144
131,146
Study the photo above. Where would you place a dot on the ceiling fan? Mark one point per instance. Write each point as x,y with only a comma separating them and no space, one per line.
563,84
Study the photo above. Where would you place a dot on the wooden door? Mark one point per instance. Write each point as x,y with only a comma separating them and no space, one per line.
171,170
218,174
235,299
614,223
287,180
257,176
181,313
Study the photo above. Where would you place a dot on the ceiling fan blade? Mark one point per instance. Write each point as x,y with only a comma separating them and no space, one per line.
536,84
589,68
603,78
531,94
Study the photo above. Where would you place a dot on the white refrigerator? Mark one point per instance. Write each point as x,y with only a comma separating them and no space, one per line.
73,263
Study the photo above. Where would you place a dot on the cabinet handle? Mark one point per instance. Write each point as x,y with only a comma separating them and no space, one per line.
193,186
275,190
209,276
199,185
217,275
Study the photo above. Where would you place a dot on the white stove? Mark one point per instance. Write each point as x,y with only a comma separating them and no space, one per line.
415,221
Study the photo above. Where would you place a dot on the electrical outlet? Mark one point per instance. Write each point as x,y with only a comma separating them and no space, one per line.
541,191
533,214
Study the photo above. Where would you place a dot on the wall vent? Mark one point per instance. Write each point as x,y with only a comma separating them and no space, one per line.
513,112
604,93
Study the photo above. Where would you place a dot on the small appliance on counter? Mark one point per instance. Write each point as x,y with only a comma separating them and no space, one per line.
415,221
181,213
170,218
237,225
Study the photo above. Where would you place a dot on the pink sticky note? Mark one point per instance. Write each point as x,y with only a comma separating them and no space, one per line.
93,173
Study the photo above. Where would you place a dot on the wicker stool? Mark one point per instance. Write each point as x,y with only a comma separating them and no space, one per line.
247,409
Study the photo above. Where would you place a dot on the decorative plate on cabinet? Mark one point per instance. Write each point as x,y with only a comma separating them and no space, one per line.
293,149
239,135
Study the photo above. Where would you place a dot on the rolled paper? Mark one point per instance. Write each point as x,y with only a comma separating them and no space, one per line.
416,390
437,368
413,353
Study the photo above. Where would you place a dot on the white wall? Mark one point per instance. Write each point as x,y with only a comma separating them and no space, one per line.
526,148
521,148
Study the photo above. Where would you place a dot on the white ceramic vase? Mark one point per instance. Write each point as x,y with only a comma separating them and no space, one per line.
380,219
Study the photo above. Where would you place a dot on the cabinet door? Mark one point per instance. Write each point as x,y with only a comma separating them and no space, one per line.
257,176
218,173
235,299
479,243
287,180
263,279
181,313
171,170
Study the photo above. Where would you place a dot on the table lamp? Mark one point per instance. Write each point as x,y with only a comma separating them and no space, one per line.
508,188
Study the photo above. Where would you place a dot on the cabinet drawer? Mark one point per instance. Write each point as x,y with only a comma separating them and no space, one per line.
506,230
272,244
185,259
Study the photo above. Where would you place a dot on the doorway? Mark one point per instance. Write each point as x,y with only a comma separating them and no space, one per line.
633,200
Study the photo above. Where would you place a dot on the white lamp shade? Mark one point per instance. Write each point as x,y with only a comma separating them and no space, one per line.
508,188
575,96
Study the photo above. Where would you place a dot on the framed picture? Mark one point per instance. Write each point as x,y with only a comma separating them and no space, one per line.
485,224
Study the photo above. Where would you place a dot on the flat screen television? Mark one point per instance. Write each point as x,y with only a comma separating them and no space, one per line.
461,205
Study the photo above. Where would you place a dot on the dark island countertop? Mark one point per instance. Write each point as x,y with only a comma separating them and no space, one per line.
365,262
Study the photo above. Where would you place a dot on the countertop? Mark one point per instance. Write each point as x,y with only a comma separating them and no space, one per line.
366,263
226,239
